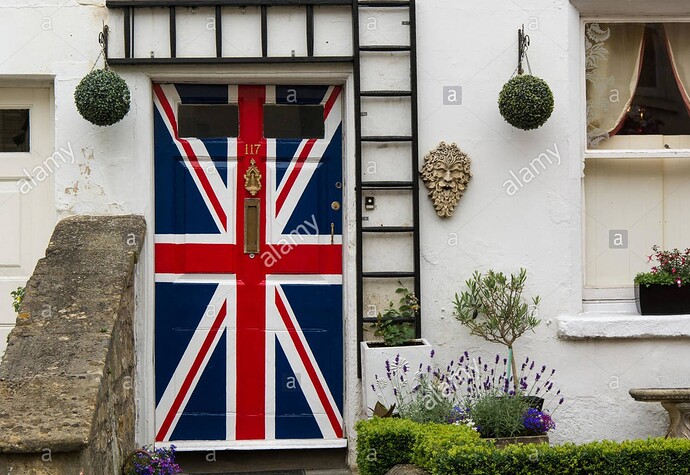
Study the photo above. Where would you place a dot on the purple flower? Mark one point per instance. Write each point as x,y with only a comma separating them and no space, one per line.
538,422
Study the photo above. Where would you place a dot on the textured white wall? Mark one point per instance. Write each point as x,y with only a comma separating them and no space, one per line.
467,44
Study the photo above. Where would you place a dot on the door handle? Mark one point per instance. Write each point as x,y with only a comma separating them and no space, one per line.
332,232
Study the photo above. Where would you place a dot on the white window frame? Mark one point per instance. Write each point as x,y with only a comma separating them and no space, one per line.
613,298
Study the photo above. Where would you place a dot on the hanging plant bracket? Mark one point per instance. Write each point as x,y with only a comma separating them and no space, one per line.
523,44
526,101
102,97
103,41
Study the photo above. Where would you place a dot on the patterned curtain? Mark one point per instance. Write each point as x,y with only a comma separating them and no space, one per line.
613,59
678,41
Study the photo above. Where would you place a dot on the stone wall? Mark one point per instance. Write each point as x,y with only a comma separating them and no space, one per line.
67,402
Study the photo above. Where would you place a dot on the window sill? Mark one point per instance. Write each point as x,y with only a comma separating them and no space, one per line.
623,325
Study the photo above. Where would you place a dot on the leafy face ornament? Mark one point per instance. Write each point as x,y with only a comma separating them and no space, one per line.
446,173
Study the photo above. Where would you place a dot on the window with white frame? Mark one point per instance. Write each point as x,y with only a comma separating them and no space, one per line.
637,162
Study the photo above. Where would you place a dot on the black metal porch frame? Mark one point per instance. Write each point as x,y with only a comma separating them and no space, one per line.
412,186
130,6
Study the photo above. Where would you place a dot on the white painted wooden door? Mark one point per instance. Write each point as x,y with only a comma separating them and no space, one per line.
27,210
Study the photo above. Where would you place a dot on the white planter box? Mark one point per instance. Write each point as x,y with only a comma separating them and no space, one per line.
374,363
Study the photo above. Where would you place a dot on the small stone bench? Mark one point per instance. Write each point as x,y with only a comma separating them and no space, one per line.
676,401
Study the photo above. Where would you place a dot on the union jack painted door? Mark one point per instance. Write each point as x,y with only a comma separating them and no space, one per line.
248,345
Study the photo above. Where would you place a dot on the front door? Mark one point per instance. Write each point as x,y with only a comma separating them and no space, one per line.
28,162
248,262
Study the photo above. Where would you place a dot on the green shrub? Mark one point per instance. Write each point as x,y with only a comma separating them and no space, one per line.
443,449
526,102
102,97
637,457
384,443
436,439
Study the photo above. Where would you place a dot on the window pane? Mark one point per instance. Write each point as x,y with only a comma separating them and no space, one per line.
208,120
293,122
637,84
14,130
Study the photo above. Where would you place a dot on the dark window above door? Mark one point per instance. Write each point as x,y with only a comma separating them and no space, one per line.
14,130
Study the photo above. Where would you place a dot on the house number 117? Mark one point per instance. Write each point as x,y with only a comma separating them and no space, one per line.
252,149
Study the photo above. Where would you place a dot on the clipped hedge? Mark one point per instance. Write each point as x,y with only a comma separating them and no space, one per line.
443,449
384,443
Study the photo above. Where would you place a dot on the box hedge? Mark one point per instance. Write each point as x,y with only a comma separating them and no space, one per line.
443,449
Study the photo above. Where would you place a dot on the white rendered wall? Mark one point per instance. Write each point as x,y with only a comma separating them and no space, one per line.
467,44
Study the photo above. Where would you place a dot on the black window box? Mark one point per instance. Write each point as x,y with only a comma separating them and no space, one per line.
657,299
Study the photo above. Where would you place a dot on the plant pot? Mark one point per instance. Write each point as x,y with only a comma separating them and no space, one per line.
502,442
374,356
657,299
535,402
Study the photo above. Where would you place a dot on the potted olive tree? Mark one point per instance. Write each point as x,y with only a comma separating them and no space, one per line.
398,343
492,307
665,290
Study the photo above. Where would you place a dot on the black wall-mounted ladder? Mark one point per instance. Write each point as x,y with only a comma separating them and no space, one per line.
367,186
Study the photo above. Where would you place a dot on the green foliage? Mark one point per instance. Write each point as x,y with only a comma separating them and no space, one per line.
457,450
493,308
648,278
395,333
102,97
671,268
637,457
499,415
431,406
526,102
384,443
435,439
18,296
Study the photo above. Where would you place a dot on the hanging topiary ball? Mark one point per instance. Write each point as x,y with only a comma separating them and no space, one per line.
526,102
102,97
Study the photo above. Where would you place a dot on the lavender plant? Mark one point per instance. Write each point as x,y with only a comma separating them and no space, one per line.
479,393
152,461
424,395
